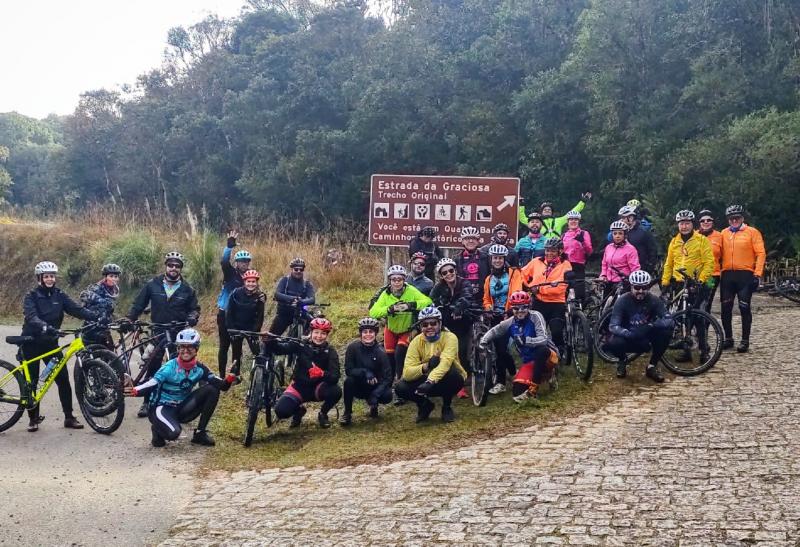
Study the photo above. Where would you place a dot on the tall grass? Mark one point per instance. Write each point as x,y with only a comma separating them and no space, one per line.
137,252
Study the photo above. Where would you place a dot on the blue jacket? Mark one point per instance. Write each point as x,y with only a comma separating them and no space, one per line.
231,279
526,335
527,249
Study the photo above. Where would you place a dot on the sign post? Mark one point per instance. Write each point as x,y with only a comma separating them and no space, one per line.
400,205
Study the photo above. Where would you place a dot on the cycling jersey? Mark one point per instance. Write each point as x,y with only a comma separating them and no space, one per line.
512,258
529,247
459,297
539,271
631,318
551,227
473,267
288,289
743,249
623,257
420,352
693,254
323,356
231,279
527,334
172,384
401,321
498,288
715,239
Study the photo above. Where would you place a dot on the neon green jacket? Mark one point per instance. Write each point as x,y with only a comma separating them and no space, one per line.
552,226
399,322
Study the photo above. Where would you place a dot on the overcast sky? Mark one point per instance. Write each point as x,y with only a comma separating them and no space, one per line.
53,50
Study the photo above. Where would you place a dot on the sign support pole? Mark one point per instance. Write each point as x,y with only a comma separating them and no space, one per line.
386,260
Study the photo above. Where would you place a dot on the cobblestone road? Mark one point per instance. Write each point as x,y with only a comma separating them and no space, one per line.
711,460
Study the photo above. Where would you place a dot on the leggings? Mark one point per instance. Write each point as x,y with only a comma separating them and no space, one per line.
580,280
294,397
711,294
446,388
358,388
166,420
224,343
396,346
656,341
62,379
504,361
736,284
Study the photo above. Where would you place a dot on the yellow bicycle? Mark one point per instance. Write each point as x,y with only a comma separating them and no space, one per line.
97,387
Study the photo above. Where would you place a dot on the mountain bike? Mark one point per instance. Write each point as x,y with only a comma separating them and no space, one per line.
484,361
303,314
97,386
788,287
601,333
267,383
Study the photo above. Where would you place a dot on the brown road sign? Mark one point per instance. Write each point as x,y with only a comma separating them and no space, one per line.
400,205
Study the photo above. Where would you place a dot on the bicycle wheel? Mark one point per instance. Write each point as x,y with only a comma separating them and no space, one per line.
270,398
601,335
96,351
696,343
254,402
483,365
99,393
789,288
582,350
12,387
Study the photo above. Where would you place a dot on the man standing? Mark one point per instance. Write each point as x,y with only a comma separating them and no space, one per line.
424,242
641,239
418,279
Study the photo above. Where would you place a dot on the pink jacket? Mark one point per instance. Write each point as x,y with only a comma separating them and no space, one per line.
624,258
577,252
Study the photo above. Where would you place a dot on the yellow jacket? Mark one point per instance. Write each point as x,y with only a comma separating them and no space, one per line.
694,256
420,352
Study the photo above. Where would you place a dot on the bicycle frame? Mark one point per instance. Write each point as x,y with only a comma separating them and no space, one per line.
36,395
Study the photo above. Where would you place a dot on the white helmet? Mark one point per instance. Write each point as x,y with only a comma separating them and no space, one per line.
445,262
188,337
626,210
498,250
45,267
469,231
684,215
639,278
431,312
619,225
173,255
396,269
573,215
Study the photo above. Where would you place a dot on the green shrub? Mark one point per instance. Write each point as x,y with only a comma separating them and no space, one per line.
138,253
201,260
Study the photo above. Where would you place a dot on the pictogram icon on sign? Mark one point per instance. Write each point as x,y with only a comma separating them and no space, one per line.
442,212
422,212
464,212
483,213
380,210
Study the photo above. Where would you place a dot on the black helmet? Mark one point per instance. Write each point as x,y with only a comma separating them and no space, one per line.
734,211
500,227
554,243
705,213
368,323
534,216
546,204
297,263
429,231
111,269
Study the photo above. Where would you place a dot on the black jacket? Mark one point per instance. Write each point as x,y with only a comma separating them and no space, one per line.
473,267
645,245
365,362
324,356
432,253
180,307
288,289
245,311
45,307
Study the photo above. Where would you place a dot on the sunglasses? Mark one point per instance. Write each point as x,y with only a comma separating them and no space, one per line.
429,324
187,348
298,269
448,271
737,217
706,220
639,289
174,266
418,263
516,309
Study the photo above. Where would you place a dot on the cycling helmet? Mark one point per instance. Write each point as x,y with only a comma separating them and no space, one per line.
635,203
173,255
243,255
297,262
705,213
45,267
684,215
546,204
445,262
534,216
188,337
502,227
322,324
619,225
430,312
251,274
519,298
639,278
469,231
429,231
734,210
111,269
554,243
498,250
419,255
626,211
368,323
396,269
573,215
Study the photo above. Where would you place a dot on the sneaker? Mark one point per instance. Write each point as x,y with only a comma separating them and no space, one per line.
297,417
142,410
157,441
462,394
522,397
373,411
33,425
727,343
497,388
424,411
654,374
398,401
622,369
743,347
448,415
323,420
71,422
346,419
202,437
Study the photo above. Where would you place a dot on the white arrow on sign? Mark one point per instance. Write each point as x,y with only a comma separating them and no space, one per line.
507,201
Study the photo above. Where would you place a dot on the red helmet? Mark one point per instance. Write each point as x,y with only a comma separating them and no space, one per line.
322,324
520,298
251,274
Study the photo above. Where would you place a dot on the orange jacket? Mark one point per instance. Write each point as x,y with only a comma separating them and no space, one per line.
534,273
715,238
743,250
514,285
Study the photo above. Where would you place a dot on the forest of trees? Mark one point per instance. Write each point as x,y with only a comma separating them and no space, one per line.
289,108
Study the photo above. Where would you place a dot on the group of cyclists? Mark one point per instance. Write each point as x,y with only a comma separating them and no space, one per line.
425,314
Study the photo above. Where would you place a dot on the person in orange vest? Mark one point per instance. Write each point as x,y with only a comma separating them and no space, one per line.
550,301
743,258
706,228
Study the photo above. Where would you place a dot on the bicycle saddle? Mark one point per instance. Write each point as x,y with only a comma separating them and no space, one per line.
18,340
